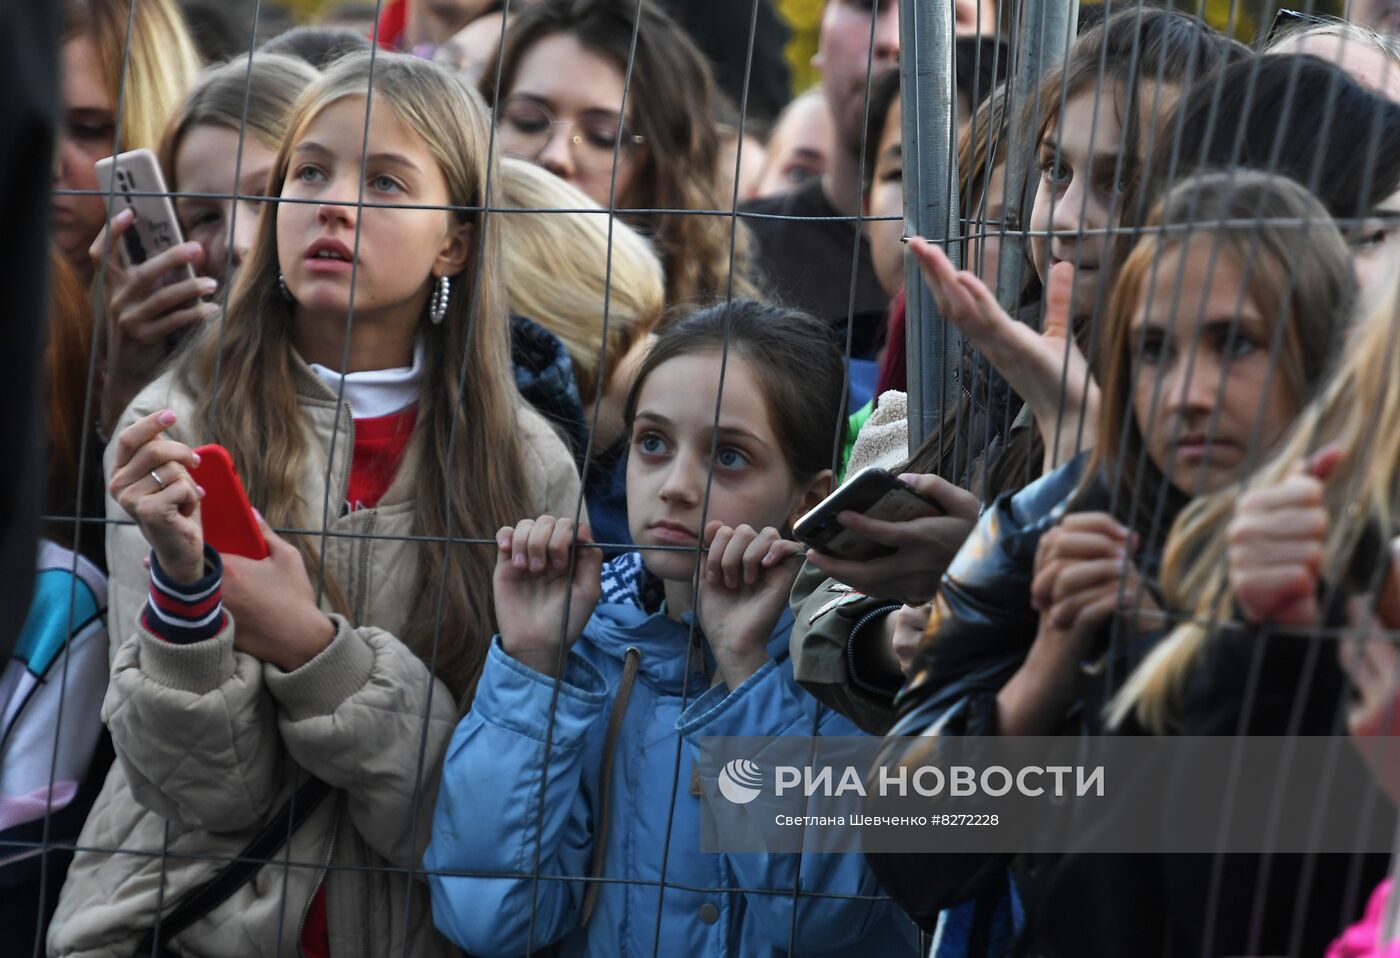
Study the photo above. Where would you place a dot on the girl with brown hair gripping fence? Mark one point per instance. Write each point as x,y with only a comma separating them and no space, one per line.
361,381
730,421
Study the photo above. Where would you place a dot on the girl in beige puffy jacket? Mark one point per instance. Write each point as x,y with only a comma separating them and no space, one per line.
361,381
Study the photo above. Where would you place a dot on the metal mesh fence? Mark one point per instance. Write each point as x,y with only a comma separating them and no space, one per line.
1118,301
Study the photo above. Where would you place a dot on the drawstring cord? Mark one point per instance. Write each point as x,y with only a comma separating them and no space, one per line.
630,664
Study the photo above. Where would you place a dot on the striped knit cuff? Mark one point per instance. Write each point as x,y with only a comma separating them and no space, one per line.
184,613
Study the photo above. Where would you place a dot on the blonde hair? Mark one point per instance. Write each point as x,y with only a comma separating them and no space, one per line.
560,270
1354,407
468,406
257,98
148,77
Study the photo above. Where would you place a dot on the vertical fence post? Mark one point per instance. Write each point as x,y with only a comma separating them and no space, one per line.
1039,43
930,199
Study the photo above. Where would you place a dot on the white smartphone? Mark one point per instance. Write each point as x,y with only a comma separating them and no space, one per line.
124,179
132,181
872,492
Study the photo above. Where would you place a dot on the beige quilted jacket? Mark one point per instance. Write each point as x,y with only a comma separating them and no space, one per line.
211,742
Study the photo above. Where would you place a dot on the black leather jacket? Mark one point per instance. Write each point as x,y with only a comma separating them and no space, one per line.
982,628
1085,905
982,623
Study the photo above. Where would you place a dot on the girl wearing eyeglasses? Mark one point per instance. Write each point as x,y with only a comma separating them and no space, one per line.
645,143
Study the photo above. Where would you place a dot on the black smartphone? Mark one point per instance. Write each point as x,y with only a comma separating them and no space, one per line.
872,492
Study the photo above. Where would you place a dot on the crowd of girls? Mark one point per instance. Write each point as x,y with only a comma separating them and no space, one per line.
527,444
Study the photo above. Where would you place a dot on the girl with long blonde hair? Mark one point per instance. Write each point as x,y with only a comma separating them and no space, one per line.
361,382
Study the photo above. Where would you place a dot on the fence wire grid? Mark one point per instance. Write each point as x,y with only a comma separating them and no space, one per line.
1163,296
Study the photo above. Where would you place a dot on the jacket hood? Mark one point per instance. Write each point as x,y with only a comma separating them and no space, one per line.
632,614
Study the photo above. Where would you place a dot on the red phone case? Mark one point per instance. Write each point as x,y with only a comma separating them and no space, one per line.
229,524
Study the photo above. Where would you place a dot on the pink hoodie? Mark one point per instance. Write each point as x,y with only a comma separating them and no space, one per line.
1363,939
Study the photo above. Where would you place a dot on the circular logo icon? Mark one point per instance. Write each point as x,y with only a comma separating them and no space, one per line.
740,781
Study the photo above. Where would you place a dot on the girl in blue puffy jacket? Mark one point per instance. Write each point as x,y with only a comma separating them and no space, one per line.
577,758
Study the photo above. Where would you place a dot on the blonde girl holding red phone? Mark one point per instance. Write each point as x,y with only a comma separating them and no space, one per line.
361,381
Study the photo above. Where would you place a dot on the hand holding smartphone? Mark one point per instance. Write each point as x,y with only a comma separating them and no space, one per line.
132,180
230,526
153,299
872,492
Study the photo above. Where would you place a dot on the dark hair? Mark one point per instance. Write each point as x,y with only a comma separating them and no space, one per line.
798,368
980,65
318,46
673,108
981,149
67,414
1122,56
218,34
1292,114
883,94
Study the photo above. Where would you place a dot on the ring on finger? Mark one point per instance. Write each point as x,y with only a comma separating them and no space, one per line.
155,475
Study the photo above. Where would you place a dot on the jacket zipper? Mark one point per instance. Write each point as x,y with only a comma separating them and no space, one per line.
344,508
320,880
362,549
850,656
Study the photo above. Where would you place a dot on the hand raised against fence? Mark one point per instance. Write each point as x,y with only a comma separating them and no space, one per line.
1084,573
1046,368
